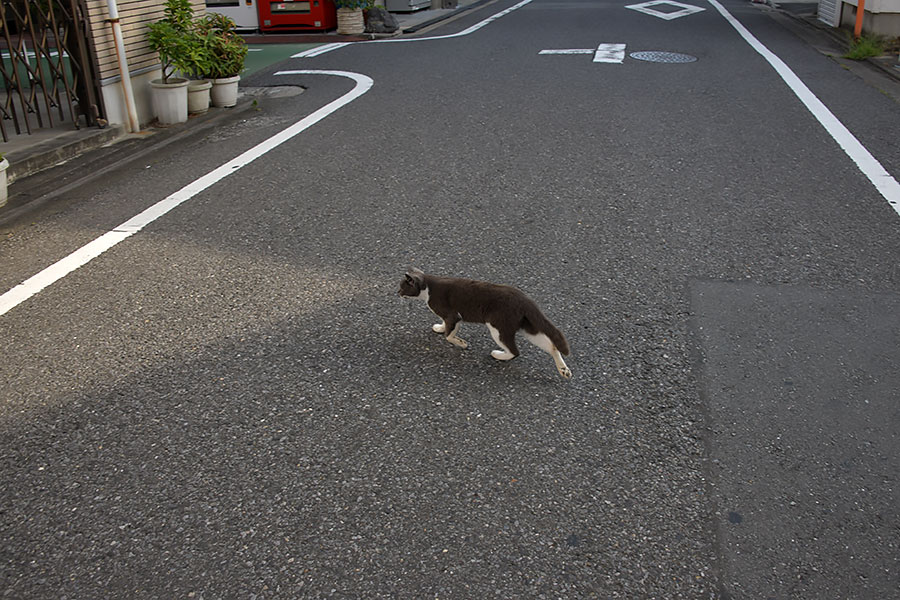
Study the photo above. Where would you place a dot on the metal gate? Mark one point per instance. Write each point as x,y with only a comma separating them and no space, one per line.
48,77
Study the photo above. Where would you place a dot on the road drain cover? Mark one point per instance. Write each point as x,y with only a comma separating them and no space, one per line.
663,57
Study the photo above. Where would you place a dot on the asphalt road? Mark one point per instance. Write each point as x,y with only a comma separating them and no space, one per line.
235,403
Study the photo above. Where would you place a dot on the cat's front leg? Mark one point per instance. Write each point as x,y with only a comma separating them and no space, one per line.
439,327
452,338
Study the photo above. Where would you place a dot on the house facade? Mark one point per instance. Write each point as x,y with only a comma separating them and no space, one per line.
60,65
143,63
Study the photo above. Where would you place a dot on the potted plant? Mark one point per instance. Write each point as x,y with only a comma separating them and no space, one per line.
227,52
174,39
200,63
4,194
350,19
198,96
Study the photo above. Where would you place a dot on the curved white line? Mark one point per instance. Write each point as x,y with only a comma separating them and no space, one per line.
320,50
471,29
92,250
886,185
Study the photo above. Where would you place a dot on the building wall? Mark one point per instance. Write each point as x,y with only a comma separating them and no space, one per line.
143,63
881,17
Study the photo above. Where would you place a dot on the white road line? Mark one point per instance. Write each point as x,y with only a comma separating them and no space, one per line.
610,53
462,33
886,185
647,9
92,250
569,51
318,51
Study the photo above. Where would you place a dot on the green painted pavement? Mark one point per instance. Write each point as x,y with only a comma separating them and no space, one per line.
260,56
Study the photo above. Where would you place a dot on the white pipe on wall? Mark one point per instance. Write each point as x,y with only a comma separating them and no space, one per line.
133,124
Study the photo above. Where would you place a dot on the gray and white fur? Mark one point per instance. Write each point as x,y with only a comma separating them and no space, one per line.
504,309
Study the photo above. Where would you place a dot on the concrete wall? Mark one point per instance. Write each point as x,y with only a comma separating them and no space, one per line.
114,98
881,17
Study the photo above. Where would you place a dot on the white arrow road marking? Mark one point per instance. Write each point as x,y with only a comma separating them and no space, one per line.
92,250
569,51
605,53
610,53
646,8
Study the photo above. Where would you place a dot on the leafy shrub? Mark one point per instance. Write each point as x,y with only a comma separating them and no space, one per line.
174,39
226,49
865,47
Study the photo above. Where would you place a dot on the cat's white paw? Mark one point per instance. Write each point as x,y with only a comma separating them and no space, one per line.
501,355
565,372
439,328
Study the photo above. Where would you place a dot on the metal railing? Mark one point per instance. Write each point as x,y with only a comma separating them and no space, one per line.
46,66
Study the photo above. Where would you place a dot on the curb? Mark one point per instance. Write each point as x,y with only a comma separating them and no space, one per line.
66,146
446,16
890,65
46,156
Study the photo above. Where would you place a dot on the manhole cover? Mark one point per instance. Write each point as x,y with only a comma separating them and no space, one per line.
663,57
275,91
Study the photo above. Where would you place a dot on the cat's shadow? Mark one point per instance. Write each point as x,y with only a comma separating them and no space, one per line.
419,349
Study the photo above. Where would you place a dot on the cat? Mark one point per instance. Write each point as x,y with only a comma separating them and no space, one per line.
504,309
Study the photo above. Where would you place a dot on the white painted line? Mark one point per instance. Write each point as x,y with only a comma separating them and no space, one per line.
610,53
92,250
318,51
464,32
647,9
60,269
886,185
569,51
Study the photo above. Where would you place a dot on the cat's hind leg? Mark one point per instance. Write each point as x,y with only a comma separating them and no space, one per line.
543,342
505,341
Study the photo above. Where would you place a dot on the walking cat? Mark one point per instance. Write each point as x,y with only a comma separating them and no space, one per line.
504,309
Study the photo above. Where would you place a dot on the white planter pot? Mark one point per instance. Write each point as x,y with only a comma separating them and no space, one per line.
198,96
4,164
224,92
350,21
170,104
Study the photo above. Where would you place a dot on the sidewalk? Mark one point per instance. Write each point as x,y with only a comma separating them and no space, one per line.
824,38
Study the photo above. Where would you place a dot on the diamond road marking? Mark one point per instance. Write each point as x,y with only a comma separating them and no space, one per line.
646,8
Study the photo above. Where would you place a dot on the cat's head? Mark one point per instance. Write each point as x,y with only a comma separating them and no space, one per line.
413,283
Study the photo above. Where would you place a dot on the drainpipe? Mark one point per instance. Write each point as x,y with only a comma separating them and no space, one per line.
133,125
860,14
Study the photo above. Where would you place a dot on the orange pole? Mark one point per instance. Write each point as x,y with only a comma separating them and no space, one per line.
860,11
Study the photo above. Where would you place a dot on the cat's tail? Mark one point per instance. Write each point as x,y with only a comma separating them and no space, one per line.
542,324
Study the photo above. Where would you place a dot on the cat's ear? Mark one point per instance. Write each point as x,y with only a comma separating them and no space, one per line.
414,275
